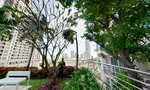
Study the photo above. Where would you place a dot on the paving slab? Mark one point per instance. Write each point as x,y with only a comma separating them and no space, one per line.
14,87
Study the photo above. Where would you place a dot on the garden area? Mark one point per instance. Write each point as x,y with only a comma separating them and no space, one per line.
73,80
119,28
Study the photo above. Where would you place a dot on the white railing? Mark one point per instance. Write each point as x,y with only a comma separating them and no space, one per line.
114,77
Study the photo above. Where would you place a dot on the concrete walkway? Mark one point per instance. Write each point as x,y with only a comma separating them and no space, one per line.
14,87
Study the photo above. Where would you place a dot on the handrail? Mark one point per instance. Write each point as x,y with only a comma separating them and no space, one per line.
109,72
139,71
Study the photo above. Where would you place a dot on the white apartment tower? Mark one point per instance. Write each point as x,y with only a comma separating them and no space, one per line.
73,54
16,53
87,50
65,55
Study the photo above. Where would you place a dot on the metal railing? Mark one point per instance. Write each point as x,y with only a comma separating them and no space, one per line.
114,77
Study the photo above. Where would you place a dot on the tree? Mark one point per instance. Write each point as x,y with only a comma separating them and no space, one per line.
71,35
6,24
42,26
120,27
30,57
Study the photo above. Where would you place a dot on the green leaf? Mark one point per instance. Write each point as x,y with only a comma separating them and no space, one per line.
66,3
69,11
7,8
27,1
15,16
57,6
2,11
18,11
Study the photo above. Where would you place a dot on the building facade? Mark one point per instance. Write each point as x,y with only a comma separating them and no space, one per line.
73,54
87,50
14,53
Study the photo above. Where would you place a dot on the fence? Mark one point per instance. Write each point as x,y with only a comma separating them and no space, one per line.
114,77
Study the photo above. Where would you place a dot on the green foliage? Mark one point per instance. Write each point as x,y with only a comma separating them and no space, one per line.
60,64
27,1
6,23
66,3
82,80
69,35
122,81
35,73
7,8
118,25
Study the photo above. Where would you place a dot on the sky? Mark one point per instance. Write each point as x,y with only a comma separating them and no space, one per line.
1,2
80,29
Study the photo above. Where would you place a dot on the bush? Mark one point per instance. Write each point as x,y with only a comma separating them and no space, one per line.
39,74
4,70
35,73
68,71
82,80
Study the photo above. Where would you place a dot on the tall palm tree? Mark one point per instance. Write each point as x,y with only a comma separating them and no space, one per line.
71,35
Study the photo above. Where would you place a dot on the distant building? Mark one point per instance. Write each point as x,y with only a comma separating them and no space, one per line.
87,50
72,54
65,55
84,55
81,56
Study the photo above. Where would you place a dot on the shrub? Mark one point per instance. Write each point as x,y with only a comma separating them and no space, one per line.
82,80
35,73
39,74
68,71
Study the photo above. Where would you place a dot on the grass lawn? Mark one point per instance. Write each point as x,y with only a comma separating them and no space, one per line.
35,83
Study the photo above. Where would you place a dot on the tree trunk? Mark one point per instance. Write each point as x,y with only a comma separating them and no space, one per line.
42,65
77,56
54,72
129,64
46,50
30,58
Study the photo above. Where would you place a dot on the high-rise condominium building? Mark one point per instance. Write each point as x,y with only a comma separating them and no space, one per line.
87,50
73,54
81,56
14,52
65,55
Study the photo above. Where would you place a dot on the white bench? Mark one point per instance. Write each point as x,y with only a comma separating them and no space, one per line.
16,77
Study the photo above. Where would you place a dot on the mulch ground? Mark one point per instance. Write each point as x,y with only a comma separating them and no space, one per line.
49,86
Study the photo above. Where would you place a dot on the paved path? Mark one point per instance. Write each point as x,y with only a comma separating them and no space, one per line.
14,87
